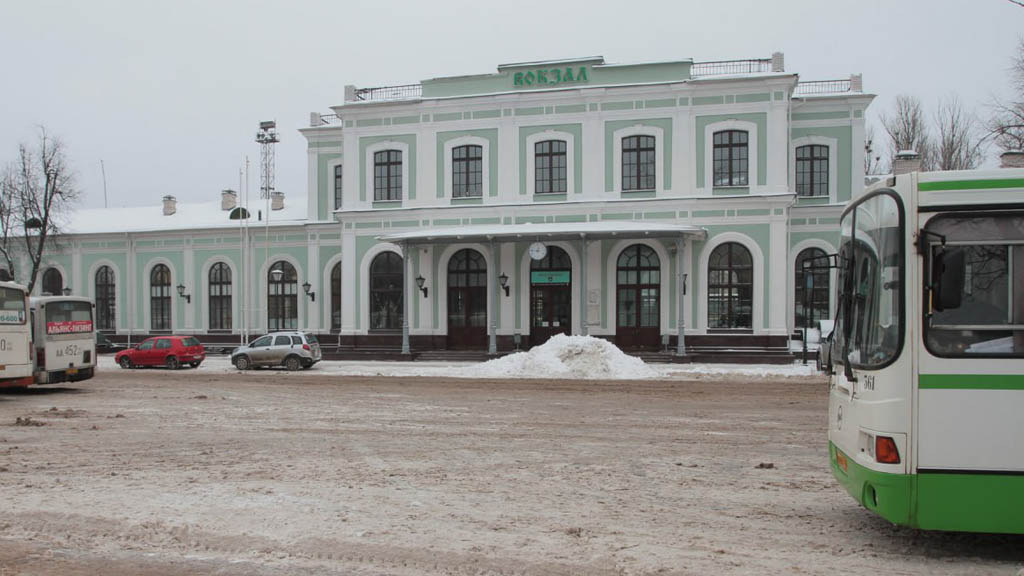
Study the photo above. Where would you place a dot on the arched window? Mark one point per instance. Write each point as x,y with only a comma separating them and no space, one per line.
386,292
550,166
467,171
387,175
160,298
282,297
336,297
53,282
730,158
817,299
105,300
812,170
730,287
638,163
220,296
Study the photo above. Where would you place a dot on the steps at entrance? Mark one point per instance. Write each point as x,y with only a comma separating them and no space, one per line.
368,354
741,355
456,355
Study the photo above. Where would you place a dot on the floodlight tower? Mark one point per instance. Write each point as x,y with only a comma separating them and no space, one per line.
266,138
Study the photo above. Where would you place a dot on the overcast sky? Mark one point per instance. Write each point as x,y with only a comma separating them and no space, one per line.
169,94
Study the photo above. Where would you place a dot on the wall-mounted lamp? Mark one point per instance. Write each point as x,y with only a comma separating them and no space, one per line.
420,281
504,282
181,292
66,291
306,286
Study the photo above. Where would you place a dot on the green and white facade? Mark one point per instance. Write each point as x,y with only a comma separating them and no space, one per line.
611,167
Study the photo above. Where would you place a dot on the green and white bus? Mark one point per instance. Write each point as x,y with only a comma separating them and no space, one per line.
926,401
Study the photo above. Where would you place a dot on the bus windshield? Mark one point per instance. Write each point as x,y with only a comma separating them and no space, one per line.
68,317
869,323
12,306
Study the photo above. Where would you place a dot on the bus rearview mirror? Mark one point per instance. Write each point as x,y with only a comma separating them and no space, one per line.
947,278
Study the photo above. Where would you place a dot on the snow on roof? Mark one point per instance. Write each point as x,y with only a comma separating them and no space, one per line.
187,216
547,231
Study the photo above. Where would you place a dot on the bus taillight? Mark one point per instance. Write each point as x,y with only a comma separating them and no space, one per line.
885,450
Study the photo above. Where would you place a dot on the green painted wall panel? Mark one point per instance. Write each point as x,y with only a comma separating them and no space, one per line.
408,163
758,118
489,134
609,148
844,138
748,98
577,133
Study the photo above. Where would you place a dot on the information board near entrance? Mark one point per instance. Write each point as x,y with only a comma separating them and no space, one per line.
549,277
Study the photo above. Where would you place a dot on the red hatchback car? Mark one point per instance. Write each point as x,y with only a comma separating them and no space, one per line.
170,351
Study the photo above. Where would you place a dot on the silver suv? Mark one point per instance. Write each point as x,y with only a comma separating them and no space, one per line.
293,350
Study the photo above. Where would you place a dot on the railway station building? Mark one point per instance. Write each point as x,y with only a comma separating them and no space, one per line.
662,205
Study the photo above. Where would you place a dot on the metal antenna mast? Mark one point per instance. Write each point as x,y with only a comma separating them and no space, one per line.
266,138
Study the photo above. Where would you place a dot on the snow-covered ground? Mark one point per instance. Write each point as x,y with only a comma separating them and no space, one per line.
562,357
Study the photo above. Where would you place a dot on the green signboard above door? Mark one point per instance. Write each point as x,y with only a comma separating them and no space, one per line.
549,276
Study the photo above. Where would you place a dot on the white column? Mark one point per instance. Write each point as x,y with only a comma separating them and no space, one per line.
313,277
492,305
406,270
680,289
584,319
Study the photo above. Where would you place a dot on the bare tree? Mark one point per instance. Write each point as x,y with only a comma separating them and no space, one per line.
872,160
40,188
958,146
907,129
8,222
1006,126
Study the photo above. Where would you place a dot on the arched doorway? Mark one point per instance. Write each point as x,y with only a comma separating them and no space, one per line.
467,300
638,299
550,296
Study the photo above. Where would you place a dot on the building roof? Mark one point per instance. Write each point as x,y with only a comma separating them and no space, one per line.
187,216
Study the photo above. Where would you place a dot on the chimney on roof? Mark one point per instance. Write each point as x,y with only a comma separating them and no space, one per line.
906,161
170,205
276,200
778,62
856,83
314,119
1012,159
350,93
228,199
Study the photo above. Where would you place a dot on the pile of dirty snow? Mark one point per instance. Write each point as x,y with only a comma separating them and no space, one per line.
562,356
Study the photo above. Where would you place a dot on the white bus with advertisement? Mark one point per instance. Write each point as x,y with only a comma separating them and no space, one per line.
926,402
64,338
15,336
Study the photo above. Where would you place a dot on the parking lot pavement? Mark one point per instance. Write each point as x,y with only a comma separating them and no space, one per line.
213,471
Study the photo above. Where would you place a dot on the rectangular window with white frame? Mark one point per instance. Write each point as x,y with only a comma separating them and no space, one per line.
387,175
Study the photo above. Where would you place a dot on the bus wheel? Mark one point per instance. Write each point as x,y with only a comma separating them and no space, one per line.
125,362
172,363
292,363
